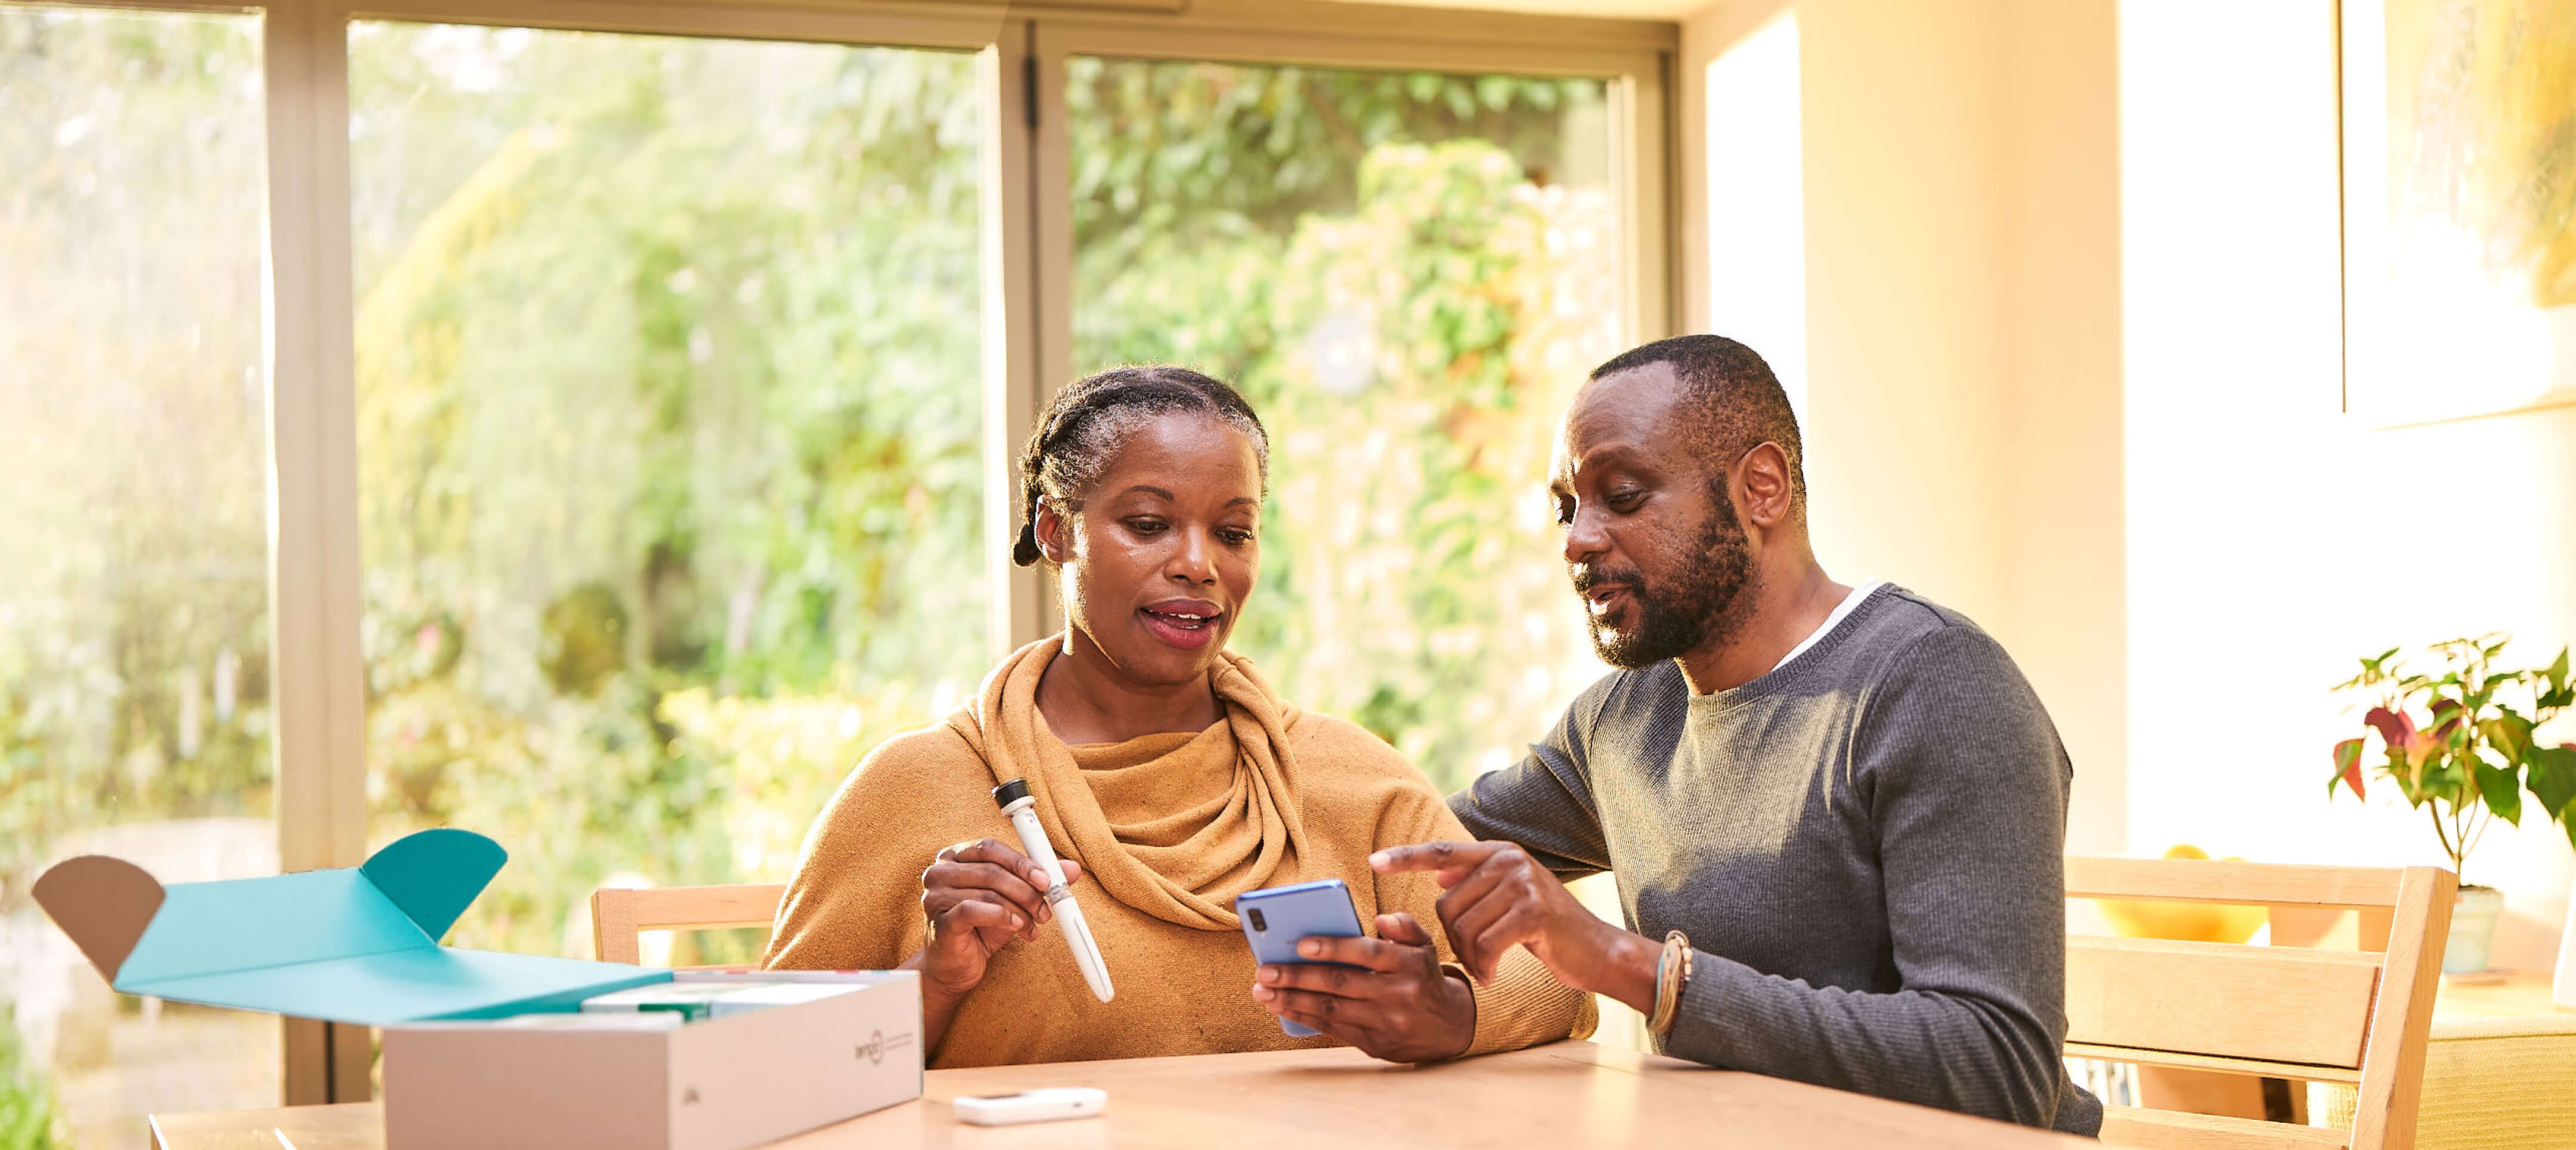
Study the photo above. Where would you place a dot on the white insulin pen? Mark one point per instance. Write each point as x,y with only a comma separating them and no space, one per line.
1016,803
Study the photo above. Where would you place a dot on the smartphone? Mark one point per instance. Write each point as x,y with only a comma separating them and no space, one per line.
1274,919
1050,1105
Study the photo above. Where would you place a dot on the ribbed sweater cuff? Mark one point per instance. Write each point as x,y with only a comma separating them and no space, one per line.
1525,1006
1697,1033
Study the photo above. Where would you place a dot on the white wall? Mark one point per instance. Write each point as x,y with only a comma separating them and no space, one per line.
2073,364
2270,540
1905,180
1957,196
2065,577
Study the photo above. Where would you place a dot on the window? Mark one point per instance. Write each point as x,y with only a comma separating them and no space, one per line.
1407,274
134,716
672,389
669,414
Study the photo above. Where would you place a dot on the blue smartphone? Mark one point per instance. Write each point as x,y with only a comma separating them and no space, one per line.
1274,919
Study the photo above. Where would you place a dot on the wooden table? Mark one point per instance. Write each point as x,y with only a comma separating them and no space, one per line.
1565,1094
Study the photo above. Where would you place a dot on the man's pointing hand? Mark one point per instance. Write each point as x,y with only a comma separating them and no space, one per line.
1499,897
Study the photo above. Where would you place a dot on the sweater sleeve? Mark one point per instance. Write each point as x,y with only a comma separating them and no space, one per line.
1524,1005
1544,802
1965,783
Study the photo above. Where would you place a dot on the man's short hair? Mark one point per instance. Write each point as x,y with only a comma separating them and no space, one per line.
1739,404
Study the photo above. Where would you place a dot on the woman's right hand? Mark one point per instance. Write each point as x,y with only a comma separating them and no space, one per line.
979,895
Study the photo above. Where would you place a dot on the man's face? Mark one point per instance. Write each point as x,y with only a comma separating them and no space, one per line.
1651,538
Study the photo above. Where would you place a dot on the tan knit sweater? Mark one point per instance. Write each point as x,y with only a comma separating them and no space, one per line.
1168,829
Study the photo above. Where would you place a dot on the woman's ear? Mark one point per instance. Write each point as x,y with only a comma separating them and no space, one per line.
1055,536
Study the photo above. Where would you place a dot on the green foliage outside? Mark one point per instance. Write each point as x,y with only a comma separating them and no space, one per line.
133,502
133,598
27,1118
640,620
670,427
670,421
1398,272
669,415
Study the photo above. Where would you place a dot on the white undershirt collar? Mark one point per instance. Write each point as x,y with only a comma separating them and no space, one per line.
1841,611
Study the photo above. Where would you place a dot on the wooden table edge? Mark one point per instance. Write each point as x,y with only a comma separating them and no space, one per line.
361,1123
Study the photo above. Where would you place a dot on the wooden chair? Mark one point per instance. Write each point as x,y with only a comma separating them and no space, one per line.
2352,1016
618,917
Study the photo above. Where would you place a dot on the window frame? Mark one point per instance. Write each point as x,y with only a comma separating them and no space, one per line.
315,564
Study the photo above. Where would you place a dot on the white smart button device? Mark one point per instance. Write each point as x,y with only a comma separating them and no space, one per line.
1049,1105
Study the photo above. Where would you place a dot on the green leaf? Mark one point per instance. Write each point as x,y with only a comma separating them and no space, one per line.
2347,757
2510,734
2445,712
2502,790
2552,779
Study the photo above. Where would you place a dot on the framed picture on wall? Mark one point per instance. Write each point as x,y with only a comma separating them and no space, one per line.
2459,207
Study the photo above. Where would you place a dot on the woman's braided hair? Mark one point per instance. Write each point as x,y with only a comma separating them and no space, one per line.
1089,423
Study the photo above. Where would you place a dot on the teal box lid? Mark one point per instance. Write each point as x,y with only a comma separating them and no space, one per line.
358,945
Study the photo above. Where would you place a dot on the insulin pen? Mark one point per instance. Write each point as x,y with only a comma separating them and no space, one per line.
1014,799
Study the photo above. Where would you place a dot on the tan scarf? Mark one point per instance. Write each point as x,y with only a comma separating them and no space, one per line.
1173,825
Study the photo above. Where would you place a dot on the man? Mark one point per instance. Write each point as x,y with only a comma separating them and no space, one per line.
1837,815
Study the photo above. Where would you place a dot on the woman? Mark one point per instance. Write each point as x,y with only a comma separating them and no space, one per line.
1167,774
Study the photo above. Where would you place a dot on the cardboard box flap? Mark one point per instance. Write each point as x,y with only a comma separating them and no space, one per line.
250,924
343,945
433,875
424,985
103,904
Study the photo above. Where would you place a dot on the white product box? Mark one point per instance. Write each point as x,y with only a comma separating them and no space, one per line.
718,1084
751,998
634,1020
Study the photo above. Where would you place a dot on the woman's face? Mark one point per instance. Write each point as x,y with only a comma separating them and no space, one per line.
1160,560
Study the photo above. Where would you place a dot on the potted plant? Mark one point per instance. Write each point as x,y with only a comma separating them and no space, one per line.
2457,742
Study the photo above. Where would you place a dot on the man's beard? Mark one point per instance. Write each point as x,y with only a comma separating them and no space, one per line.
1672,617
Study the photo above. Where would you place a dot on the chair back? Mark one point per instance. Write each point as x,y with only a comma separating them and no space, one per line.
618,916
2357,1017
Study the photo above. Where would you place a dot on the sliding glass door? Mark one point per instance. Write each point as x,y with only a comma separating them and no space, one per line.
1407,273
134,688
669,427
592,423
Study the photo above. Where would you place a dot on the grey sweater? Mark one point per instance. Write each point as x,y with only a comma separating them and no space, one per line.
1865,847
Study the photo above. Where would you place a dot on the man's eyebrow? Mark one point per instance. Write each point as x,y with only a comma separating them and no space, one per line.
1612,453
1241,500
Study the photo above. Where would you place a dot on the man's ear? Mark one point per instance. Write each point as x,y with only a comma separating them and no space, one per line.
1055,536
1763,494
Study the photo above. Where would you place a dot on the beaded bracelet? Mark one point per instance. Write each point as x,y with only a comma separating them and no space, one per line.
1672,973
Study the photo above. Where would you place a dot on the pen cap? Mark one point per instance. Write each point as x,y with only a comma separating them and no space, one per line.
1014,791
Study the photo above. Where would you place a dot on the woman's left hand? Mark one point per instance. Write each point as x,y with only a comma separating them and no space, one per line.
1398,1005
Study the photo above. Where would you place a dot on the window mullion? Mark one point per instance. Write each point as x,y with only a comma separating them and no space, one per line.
314,593
1034,297
1017,376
